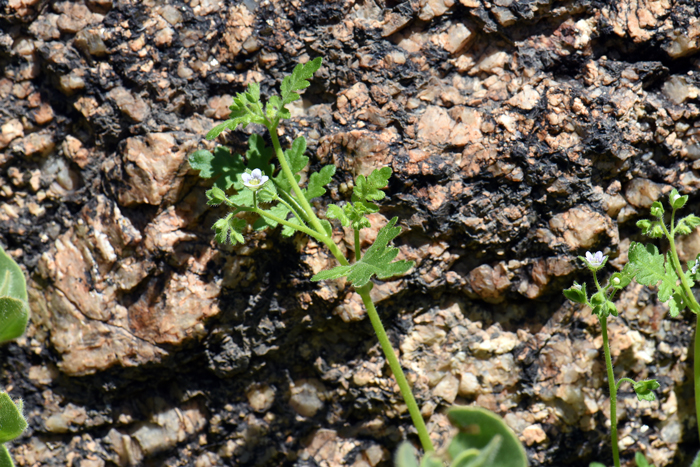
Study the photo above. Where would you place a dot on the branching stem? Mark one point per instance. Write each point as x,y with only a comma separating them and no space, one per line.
623,380
320,234
695,308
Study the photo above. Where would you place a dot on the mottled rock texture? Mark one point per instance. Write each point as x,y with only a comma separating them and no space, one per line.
521,133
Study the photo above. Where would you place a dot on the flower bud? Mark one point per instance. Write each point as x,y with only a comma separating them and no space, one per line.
657,209
576,293
676,200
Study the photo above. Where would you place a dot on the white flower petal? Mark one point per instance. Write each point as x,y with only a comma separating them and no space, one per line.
256,173
245,178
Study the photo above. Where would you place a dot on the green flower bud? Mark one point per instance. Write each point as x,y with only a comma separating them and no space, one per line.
656,231
645,389
620,281
576,293
676,200
598,299
657,209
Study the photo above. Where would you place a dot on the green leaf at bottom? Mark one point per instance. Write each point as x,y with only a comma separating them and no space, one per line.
5,459
378,260
478,427
405,456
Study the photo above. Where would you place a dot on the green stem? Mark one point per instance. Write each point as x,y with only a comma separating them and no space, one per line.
622,380
320,233
358,253
395,366
301,221
696,370
301,199
279,220
292,201
690,298
695,308
603,319
613,390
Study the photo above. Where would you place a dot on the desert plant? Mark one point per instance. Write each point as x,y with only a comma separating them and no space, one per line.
601,302
277,198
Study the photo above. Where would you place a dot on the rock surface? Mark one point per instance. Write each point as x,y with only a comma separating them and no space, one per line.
522,133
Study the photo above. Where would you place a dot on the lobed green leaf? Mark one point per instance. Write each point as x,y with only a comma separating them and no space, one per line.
370,188
245,110
651,269
296,160
377,261
223,165
676,304
336,212
298,80
691,221
318,181
216,196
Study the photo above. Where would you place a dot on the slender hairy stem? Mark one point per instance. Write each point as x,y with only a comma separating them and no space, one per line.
416,416
301,221
320,234
301,199
695,308
279,220
298,211
623,380
690,298
603,319
613,390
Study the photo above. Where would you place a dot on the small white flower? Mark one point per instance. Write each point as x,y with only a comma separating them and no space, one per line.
595,259
694,268
616,280
576,286
254,180
674,197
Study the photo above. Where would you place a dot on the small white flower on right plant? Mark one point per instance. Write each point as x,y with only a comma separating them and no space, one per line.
595,259
694,268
